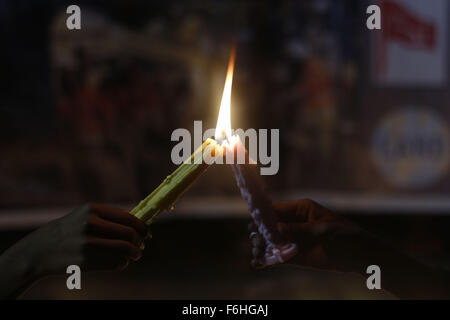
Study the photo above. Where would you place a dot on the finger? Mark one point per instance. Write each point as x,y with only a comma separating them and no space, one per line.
102,228
258,248
120,248
257,240
120,216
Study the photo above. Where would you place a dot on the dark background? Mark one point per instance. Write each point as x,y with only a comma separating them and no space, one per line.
87,116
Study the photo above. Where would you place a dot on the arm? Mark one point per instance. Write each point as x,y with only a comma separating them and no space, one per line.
330,242
95,237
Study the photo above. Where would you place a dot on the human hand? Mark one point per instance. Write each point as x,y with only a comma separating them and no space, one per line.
94,236
328,241
324,239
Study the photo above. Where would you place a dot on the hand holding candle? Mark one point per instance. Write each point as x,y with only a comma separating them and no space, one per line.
277,249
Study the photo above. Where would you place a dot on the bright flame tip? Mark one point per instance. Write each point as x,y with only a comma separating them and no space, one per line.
223,127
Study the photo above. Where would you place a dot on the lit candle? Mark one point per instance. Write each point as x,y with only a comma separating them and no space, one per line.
259,204
167,193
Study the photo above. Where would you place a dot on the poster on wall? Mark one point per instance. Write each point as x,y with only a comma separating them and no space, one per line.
413,37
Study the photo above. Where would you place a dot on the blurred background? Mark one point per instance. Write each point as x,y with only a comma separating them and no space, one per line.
87,115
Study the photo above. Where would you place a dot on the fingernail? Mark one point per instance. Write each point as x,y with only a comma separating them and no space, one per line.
252,235
142,246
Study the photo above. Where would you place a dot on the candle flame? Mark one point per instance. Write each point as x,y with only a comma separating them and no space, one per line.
223,127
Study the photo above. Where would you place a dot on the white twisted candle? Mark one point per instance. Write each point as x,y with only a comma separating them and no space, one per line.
260,206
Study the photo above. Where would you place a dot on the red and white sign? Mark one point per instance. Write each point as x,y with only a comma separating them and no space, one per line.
411,47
